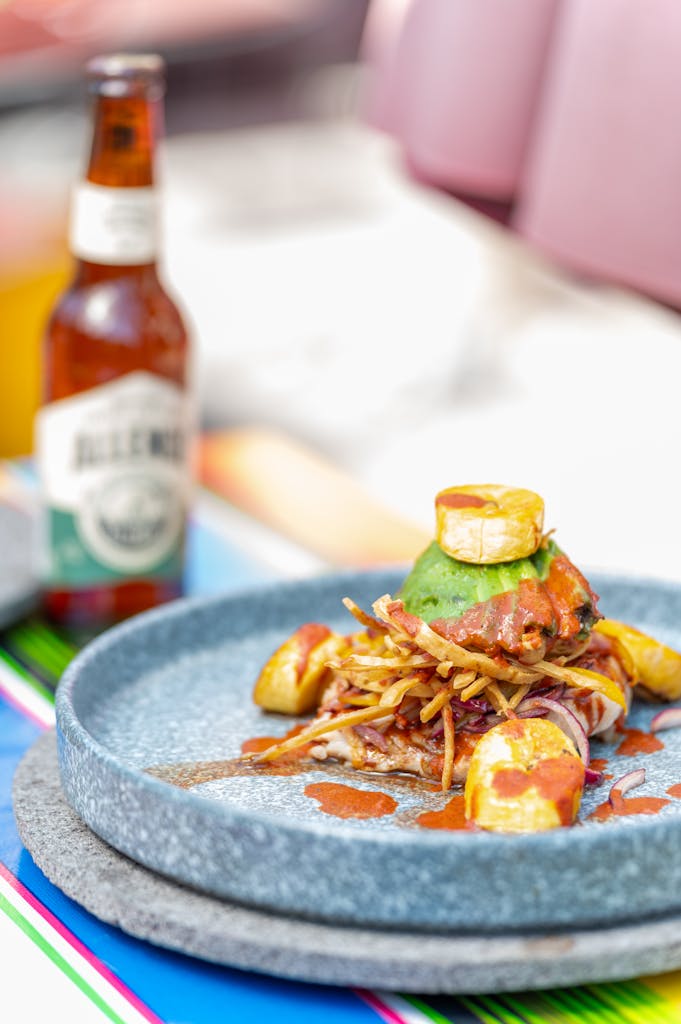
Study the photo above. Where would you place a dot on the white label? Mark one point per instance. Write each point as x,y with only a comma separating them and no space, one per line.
114,469
114,226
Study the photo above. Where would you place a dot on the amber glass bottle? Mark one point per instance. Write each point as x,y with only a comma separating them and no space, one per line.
112,435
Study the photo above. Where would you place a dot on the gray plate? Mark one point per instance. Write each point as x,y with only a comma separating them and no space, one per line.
175,685
18,584
150,907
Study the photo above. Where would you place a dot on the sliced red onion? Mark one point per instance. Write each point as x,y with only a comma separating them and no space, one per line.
592,777
572,722
670,718
373,736
626,782
551,691
481,724
482,706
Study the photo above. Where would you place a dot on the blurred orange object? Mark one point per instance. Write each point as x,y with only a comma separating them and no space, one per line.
34,265
297,492
26,297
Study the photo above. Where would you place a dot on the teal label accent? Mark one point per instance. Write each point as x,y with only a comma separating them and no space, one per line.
72,565
114,471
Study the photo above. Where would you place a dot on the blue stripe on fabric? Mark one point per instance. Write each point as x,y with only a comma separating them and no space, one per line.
214,566
174,986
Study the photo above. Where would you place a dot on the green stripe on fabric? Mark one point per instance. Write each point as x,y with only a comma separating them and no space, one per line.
41,639
649,1000
492,1010
635,1003
33,657
585,1006
479,1011
603,1013
26,676
427,1011
532,1009
568,1015
55,639
39,645
57,959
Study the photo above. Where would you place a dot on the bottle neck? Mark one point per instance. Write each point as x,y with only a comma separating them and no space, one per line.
114,215
88,273
123,142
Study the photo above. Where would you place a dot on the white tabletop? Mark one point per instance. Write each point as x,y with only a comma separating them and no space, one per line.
419,344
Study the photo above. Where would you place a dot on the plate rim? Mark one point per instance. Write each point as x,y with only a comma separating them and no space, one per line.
46,846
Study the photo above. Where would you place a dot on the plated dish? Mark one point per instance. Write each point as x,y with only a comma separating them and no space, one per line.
491,667
153,719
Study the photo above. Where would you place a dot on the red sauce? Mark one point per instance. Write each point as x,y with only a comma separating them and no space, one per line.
675,791
624,806
568,591
466,742
308,636
347,802
510,782
557,779
515,729
517,620
454,499
187,774
257,744
599,764
452,816
638,742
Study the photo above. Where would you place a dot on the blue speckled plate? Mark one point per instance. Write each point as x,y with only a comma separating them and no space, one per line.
175,685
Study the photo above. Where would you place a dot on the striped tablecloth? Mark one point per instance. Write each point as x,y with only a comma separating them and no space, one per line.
61,963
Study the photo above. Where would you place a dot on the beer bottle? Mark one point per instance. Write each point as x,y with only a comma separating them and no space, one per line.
112,435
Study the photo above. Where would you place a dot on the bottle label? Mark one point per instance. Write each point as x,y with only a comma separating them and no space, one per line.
114,226
114,470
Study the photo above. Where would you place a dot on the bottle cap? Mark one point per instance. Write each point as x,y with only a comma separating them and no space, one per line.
126,74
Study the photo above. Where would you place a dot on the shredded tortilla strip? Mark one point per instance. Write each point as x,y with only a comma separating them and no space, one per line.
380,686
393,613
360,700
395,647
448,768
363,617
497,699
422,690
394,694
519,695
431,709
475,688
463,679
584,679
360,662
319,728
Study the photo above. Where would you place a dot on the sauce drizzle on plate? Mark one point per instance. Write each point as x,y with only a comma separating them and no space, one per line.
349,802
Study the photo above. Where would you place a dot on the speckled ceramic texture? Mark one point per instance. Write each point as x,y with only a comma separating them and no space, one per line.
144,904
175,685
18,583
